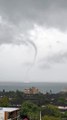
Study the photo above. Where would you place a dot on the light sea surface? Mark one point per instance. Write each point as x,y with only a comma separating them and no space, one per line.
42,86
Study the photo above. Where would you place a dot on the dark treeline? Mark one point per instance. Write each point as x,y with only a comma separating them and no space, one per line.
16,98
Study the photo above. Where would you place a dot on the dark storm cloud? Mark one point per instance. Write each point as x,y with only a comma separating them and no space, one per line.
10,34
22,14
52,13
6,33
53,59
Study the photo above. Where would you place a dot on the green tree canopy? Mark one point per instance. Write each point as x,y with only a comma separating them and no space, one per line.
50,118
51,110
4,102
31,110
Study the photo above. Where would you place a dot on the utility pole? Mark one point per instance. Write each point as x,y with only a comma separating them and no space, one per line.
40,115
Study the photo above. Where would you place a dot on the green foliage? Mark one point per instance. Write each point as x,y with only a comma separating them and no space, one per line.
50,118
64,114
4,102
61,100
51,110
31,110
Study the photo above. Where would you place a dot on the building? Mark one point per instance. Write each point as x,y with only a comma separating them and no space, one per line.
32,90
27,91
9,113
64,90
62,108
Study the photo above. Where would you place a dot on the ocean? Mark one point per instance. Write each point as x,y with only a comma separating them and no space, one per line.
42,86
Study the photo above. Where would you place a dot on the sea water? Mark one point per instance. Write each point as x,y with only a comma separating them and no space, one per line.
42,86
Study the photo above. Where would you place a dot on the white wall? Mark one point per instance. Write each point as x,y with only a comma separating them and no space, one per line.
1,115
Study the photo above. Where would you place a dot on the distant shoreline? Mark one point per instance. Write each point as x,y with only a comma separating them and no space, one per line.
42,86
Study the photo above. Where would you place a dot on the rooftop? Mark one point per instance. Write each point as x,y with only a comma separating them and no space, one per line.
5,109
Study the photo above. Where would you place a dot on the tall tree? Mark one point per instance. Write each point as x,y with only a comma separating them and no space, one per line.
31,110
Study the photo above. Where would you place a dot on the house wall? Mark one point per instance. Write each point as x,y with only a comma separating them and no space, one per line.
5,115
1,115
9,115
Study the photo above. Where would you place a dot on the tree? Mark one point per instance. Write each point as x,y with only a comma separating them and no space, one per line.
30,109
4,102
50,118
51,110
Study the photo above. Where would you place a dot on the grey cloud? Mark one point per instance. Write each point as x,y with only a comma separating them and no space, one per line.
6,34
53,59
10,33
58,42
21,15
44,66
57,58
52,13
28,65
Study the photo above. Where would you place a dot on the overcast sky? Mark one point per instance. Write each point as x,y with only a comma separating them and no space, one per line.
33,40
